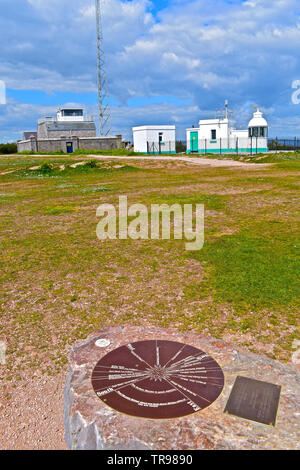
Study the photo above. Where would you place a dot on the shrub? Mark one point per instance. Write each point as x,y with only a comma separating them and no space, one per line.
6,149
90,164
45,168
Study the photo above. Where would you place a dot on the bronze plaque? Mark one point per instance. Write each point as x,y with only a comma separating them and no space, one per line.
254,400
157,379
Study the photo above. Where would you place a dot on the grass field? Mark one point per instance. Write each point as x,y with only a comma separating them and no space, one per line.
59,282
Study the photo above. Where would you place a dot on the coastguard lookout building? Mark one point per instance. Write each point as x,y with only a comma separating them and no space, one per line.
68,131
217,136
154,139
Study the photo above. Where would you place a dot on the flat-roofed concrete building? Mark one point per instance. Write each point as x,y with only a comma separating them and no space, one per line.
68,122
154,139
68,131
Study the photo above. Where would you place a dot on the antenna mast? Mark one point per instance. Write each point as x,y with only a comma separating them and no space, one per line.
103,101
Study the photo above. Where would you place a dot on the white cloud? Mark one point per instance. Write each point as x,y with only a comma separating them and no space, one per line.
198,50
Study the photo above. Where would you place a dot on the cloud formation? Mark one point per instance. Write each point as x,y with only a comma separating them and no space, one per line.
199,51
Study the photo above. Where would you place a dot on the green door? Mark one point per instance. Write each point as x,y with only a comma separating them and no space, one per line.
194,141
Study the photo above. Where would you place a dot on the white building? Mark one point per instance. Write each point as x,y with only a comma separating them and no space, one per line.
217,136
154,139
70,114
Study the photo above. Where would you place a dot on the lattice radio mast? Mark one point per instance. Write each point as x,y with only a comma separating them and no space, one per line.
103,98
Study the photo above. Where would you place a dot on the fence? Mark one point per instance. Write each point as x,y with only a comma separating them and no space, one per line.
230,145
284,144
157,148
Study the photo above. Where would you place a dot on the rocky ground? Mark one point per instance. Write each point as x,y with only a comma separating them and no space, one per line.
91,424
33,418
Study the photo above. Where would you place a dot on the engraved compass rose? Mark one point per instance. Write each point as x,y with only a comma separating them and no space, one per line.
157,379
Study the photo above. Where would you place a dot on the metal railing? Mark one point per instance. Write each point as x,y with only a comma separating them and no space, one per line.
239,145
46,119
284,143
157,148
85,118
230,145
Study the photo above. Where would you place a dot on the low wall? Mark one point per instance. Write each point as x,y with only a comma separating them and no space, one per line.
25,146
105,143
84,143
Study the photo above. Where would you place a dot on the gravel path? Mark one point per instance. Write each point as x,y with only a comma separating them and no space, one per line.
213,162
33,417
194,160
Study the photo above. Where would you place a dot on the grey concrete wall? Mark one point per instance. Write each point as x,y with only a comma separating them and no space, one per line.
45,132
53,145
100,144
42,131
24,146
79,133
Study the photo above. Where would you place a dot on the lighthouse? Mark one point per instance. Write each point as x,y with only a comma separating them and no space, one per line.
258,126
217,136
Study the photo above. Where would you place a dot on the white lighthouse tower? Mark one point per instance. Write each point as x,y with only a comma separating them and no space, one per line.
258,126
219,137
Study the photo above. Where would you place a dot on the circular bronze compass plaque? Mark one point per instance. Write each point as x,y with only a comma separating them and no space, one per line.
157,379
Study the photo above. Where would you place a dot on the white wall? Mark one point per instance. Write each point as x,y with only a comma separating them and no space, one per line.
206,126
68,118
144,134
239,133
139,139
221,126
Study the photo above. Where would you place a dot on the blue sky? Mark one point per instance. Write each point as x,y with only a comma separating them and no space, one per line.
168,61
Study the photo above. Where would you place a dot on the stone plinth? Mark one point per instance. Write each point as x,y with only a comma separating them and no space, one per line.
90,424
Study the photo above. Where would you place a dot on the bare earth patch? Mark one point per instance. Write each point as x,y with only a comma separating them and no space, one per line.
33,418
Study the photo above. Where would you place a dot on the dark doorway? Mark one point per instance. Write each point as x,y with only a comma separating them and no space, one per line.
69,147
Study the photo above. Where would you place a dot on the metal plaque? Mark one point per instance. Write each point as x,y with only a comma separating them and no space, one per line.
254,400
157,379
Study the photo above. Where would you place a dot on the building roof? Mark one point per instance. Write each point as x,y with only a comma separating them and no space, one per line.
69,108
213,121
153,128
258,120
27,135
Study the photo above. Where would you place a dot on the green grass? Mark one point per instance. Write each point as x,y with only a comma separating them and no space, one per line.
280,157
48,170
253,270
59,283
111,152
211,201
57,210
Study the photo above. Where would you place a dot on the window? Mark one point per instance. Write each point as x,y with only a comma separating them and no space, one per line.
72,112
258,132
213,134
254,132
263,132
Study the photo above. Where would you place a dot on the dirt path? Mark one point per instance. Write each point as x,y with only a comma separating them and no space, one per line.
33,418
212,162
194,160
